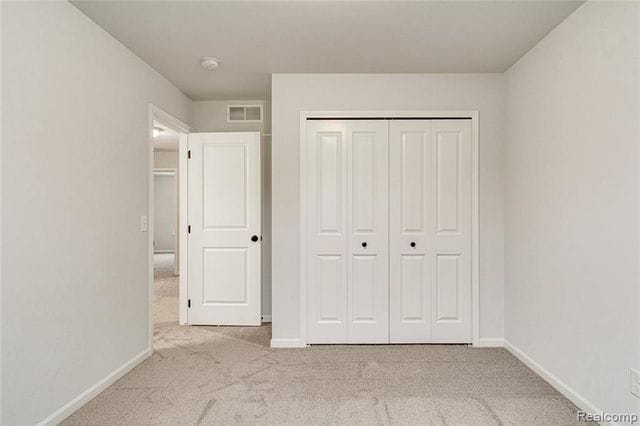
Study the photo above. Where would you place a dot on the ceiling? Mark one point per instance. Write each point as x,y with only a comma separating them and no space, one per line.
255,39
166,140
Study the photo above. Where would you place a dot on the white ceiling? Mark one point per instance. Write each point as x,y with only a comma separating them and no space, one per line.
255,39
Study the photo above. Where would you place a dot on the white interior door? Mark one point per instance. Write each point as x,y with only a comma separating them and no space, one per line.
430,231
348,231
225,235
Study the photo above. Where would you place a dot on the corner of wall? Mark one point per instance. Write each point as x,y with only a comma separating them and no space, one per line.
76,403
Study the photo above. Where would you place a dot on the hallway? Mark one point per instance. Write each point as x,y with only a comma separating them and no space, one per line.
165,311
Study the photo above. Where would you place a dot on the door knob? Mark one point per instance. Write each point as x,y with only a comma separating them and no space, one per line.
364,244
254,238
412,244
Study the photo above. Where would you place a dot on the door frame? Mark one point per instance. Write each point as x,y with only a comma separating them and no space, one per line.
475,217
157,114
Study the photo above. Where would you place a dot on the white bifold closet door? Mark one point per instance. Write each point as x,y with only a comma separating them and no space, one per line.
347,265
430,231
388,231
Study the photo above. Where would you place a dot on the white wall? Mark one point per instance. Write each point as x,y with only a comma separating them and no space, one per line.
571,208
74,185
292,93
165,209
211,116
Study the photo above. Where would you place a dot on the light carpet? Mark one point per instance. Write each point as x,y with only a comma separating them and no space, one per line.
229,375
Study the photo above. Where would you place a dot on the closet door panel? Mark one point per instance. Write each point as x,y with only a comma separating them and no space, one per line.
451,297
368,243
327,262
430,207
410,264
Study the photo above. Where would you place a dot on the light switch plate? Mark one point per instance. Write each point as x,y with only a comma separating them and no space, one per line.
635,382
144,224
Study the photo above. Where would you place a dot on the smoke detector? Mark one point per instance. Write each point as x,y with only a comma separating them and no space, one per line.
209,63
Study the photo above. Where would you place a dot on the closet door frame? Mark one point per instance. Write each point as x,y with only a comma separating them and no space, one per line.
381,115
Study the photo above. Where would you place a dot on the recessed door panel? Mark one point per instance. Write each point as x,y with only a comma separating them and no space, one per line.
225,186
447,287
225,276
413,291
330,153
413,145
448,179
331,285
224,213
364,286
364,170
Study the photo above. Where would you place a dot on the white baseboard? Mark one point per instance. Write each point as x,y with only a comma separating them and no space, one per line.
287,343
571,394
490,342
77,402
266,318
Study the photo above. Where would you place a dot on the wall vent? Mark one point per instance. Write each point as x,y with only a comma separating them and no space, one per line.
244,113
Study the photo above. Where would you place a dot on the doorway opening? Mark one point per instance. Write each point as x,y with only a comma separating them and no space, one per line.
204,230
165,240
168,138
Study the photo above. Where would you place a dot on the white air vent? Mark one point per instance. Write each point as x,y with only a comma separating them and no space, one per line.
244,113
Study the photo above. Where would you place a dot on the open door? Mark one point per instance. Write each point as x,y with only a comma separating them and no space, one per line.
224,229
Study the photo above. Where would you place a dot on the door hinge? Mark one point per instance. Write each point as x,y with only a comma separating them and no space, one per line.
189,154
188,229
188,303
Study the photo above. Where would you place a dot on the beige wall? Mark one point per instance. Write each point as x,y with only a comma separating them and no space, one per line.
74,286
74,185
166,160
292,93
169,160
211,116
165,209
572,236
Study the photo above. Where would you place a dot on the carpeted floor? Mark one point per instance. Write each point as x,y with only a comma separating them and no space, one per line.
225,375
